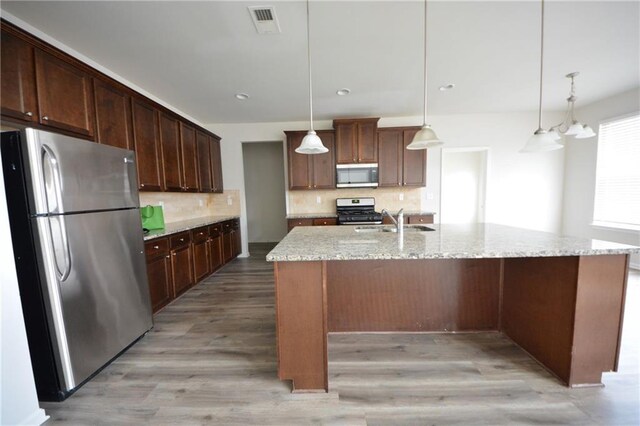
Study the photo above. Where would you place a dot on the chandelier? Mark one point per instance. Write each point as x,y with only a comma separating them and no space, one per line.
570,126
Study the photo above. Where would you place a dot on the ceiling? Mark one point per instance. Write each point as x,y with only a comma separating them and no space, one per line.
197,55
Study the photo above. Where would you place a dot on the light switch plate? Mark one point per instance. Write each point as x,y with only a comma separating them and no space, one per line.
229,200
401,196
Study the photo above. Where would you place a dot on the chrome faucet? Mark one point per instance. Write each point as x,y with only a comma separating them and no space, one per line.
398,223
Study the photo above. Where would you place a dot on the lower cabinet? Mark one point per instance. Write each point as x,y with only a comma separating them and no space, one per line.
181,263
178,262
215,247
411,219
201,253
159,273
318,221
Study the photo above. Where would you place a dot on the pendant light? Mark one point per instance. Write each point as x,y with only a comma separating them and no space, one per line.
541,140
426,137
311,143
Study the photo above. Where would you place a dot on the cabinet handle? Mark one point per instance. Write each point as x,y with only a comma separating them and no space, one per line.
174,254
45,118
142,185
181,239
28,114
201,233
167,256
156,247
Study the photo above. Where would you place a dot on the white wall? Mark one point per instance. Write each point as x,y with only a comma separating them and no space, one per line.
580,173
522,189
18,399
264,182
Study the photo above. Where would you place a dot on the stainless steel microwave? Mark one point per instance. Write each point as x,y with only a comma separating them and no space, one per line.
357,175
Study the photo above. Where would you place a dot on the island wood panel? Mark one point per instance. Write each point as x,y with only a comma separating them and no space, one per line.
602,282
566,312
413,295
301,324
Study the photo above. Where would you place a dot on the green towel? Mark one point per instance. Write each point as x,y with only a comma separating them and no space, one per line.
152,217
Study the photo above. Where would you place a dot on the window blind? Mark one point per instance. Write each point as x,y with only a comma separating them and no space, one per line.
617,195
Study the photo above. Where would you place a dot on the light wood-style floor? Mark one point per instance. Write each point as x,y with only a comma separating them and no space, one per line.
211,359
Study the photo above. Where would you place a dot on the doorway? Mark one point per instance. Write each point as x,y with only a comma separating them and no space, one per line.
264,191
463,185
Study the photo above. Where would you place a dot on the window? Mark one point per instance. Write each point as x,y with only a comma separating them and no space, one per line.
617,195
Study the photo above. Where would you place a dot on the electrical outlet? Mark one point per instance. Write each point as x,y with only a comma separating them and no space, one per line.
401,196
200,202
318,200
229,200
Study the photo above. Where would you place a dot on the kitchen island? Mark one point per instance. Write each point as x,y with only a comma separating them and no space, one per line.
560,298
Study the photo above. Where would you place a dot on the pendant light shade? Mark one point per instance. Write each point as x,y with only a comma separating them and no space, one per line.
426,137
587,132
575,129
542,140
311,143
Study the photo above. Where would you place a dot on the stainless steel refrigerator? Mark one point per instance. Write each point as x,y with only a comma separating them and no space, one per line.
79,252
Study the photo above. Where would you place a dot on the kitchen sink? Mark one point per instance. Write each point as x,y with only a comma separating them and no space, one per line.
387,228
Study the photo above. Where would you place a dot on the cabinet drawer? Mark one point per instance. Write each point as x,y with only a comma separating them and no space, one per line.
292,223
325,221
425,218
179,240
215,230
200,234
156,248
227,226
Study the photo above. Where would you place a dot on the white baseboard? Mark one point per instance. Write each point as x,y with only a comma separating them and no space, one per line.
36,418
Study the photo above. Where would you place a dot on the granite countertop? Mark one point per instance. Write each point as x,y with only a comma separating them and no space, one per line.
310,215
414,212
185,225
312,243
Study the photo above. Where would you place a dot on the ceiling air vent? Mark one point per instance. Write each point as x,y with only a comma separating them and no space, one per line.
265,19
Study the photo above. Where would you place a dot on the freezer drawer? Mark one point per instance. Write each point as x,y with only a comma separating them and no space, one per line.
96,286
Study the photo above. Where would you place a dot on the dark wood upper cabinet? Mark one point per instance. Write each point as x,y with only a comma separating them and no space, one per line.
316,171
113,116
203,149
356,140
216,165
398,166
414,164
189,158
17,68
390,157
65,95
299,166
324,165
147,146
171,153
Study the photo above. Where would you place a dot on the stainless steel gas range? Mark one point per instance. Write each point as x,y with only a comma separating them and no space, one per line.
357,211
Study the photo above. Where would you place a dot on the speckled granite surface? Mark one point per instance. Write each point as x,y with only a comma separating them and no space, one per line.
310,215
310,243
185,225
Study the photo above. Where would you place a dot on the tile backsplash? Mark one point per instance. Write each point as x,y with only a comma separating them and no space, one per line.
179,206
301,202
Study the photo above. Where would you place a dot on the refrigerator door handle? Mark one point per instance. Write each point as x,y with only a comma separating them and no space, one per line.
52,181
53,190
60,243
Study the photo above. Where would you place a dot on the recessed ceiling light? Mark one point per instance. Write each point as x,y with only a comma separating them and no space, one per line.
447,87
242,96
343,92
